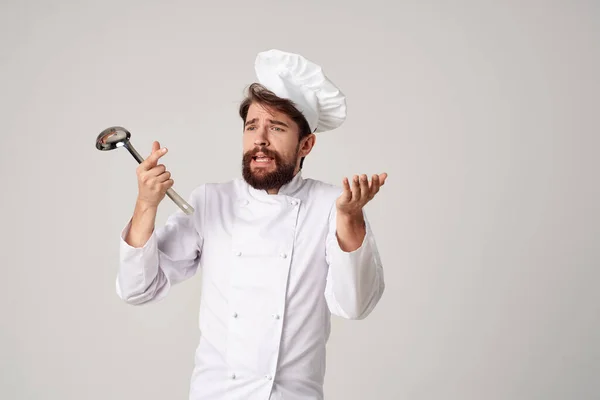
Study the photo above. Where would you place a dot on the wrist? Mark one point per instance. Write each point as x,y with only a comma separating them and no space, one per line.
351,219
350,230
144,206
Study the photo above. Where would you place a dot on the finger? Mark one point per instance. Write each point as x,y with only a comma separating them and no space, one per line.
355,189
153,158
375,184
347,193
168,183
163,177
149,177
156,171
382,178
364,187
155,146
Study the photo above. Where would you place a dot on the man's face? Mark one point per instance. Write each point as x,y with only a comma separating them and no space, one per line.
271,148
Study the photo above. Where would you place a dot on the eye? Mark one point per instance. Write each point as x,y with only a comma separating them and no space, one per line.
277,128
249,128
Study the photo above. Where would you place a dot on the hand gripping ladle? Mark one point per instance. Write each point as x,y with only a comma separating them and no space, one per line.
117,136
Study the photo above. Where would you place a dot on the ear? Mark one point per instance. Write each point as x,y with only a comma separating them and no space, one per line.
307,144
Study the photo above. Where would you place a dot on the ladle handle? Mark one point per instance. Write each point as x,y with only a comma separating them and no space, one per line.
177,199
181,203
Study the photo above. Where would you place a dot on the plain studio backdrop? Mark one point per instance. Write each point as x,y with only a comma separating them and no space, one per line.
484,115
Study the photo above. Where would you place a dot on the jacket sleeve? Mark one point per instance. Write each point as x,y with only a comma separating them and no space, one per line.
170,256
355,281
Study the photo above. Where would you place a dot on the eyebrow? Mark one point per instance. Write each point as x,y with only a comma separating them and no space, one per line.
273,121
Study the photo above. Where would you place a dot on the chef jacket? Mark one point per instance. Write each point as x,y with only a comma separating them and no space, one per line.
273,273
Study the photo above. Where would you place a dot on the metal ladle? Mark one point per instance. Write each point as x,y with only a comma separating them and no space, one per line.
117,136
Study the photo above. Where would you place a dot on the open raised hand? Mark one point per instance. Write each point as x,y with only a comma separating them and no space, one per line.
355,197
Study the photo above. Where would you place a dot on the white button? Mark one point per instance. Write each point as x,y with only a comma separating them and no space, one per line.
276,316
234,315
232,376
293,202
283,255
245,202
269,377
237,253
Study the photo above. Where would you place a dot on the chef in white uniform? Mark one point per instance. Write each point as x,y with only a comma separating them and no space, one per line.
279,253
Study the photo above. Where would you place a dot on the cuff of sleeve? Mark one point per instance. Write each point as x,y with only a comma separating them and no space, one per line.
359,254
363,253
135,261
127,247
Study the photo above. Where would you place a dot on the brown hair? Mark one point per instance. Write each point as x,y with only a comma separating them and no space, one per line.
259,94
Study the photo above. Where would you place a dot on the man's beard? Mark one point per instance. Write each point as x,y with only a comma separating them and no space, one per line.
262,180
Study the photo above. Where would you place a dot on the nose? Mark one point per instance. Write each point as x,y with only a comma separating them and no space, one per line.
261,137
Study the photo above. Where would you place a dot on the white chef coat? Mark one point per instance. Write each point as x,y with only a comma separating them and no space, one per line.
272,275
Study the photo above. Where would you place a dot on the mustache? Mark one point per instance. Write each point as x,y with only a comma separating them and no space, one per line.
265,151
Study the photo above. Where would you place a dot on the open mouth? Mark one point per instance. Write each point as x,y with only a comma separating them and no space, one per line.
262,159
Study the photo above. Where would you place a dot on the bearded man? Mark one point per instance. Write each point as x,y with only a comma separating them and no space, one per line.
279,253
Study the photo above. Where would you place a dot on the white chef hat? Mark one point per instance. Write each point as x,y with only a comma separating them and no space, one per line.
295,78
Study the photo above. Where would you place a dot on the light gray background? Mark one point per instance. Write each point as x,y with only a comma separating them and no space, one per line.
484,114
